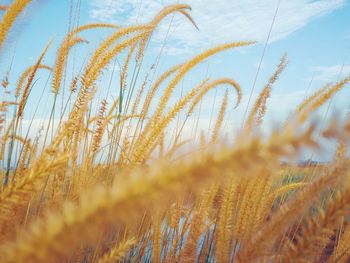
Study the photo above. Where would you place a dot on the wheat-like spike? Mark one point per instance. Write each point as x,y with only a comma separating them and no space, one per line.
61,61
261,243
82,28
34,147
71,131
17,195
259,107
155,87
225,222
285,189
215,83
118,252
260,207
198,224
220,119
181,8
176,213
123,157
5,81
312,98
85,94
81,103
161,145
207,201
157,239
91,26
3,109
138,97
101,51
124,74
168,10
263,204
341,253
25,75
246,208
75,139
315,227
189,252
181,235
26,153
323,98
65,47
187,67
74,84
92,73
96,141
27,87
144,145
10,16
189,18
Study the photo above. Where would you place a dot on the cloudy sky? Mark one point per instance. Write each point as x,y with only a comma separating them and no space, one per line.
220,20
314,33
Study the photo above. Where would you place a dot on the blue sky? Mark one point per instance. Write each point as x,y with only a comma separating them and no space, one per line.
315,34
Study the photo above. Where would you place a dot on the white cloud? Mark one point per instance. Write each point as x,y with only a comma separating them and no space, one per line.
219,21
330,73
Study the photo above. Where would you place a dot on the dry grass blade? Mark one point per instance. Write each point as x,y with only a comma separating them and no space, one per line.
25,75
259,107
215,83
215,136
10,16
117,253
323,98
61,61
26,89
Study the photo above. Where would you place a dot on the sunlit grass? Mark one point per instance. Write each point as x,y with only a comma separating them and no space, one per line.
109,184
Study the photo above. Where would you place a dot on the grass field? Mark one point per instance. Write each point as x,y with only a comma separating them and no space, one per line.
107,183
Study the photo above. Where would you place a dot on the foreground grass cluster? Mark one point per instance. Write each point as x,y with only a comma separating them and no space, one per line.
104,187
